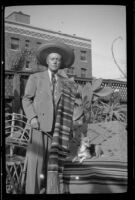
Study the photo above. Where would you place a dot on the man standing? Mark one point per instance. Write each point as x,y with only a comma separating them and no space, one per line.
40,102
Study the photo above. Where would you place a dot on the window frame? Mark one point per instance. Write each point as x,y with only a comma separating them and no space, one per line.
83,56
38,43
83,72
11,43
27,42
27,62
71,70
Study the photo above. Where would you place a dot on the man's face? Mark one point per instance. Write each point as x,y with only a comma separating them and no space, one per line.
54,61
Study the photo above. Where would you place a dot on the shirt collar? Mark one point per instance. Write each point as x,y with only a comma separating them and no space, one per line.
50,75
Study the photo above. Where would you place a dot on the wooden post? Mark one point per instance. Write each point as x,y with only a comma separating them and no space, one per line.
12,132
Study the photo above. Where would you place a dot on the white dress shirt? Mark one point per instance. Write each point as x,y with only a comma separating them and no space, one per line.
50,75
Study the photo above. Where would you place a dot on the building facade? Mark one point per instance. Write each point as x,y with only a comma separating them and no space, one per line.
20,36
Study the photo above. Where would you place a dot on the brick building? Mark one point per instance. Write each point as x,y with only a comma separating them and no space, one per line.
19,34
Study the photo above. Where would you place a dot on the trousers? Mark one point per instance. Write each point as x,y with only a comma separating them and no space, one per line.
37,159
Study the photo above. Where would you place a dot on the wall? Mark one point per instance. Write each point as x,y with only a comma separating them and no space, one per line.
21,34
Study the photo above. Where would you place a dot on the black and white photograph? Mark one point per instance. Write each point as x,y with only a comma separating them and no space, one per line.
65,73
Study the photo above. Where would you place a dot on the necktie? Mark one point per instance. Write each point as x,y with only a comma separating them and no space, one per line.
53,85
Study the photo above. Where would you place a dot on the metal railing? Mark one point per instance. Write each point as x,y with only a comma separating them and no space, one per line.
15,85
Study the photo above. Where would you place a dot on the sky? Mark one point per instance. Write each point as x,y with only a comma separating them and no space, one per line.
103,24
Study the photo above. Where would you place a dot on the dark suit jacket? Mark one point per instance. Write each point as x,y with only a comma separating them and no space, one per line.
37,100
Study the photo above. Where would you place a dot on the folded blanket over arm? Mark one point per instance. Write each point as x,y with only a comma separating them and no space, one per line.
60,141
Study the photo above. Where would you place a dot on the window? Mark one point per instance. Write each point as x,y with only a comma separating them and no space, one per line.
83,72
83,56
71,70
27,42
27,65
15,43
39,43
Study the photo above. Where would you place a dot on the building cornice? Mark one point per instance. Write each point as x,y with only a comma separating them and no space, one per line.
24,29
17,13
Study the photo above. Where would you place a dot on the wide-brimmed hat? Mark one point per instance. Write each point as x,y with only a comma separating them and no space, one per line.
56,47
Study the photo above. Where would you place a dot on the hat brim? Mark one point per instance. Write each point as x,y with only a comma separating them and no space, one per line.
65,51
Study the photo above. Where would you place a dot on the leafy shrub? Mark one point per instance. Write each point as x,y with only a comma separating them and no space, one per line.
85,96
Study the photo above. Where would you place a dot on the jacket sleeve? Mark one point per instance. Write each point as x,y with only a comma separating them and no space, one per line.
28,98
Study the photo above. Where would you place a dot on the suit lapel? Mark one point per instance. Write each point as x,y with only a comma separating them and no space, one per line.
47,83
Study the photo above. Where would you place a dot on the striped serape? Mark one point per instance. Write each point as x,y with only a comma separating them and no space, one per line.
95,176
60,141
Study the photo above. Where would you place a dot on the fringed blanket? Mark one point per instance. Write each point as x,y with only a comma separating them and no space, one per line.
95,176
60,141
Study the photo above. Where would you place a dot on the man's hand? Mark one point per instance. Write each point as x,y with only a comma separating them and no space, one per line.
34,123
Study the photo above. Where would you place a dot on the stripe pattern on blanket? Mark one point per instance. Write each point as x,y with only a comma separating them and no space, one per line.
95,176
60,141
